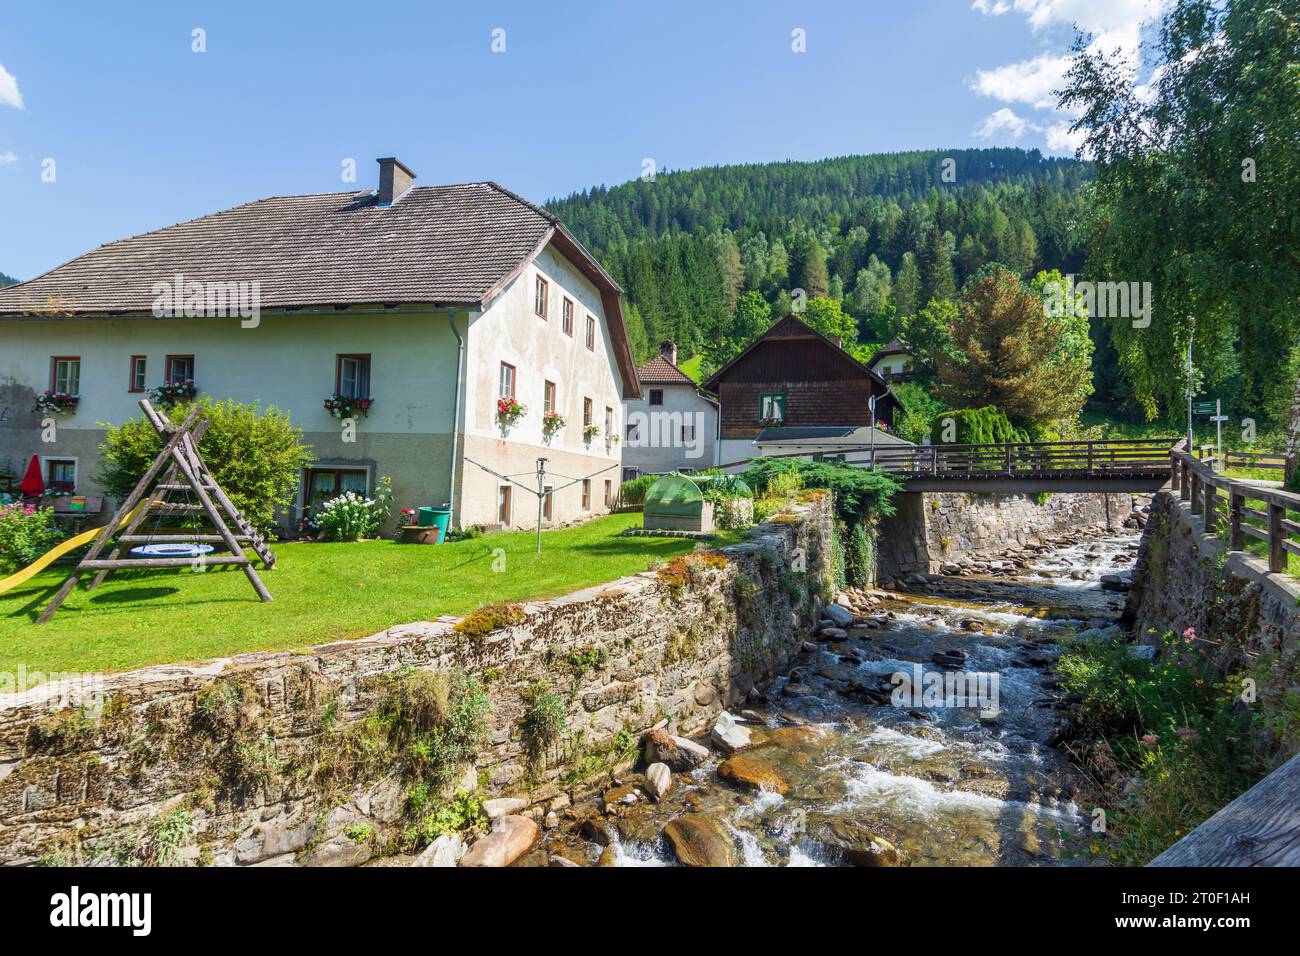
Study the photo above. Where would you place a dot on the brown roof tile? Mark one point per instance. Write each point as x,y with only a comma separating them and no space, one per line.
660,371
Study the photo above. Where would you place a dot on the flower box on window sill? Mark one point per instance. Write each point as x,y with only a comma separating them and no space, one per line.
60,403
552,422
509,411
770,422
170,393
344,406
589,432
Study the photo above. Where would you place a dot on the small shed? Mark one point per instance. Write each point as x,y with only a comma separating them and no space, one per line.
675,503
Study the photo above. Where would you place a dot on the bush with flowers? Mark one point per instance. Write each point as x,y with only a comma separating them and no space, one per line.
351,517
509,410
26,532
59,403
589,432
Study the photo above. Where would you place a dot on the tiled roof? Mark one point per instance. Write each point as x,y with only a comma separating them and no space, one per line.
437,245
660,371
448,245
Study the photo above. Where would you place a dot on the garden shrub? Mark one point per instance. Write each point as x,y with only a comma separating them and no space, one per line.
255,453
976,426
351,517
918,412
632,491
26,532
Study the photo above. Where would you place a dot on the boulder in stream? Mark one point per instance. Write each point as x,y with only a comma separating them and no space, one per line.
700,840
678,753
853,842
840,615
730,736
659,780
747,770
511,838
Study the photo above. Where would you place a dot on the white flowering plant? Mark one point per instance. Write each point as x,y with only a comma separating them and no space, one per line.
351,517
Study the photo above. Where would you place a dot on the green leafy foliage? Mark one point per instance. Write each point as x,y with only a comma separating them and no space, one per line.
974,426
919,410
255,453
26,532
543,722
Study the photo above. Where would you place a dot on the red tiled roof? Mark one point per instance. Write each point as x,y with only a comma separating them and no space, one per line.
660,371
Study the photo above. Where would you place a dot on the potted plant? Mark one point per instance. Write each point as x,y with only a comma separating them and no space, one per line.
509,411
552,422
589,432
60,403
169,393
346,406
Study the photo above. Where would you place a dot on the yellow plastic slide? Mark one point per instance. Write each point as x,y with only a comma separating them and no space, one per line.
49,557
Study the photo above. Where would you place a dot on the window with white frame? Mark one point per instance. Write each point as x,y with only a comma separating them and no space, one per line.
541,292
506,388
353,376
65,374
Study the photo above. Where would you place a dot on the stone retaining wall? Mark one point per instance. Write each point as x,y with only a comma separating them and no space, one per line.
224,763
929,529
1184,578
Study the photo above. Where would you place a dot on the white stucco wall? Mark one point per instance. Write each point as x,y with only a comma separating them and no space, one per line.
658,446
892,364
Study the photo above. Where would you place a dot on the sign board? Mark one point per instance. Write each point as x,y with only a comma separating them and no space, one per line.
1204,408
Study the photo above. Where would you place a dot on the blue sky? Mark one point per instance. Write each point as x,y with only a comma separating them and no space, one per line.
144,132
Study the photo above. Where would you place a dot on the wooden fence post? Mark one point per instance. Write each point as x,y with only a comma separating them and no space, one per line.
1236,537
1211,509
1173,472
1276,535
1198,494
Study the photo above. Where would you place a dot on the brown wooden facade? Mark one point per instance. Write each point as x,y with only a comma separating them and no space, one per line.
820,383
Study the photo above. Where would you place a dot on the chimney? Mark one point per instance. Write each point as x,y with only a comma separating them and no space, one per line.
669,351
395,178
839,342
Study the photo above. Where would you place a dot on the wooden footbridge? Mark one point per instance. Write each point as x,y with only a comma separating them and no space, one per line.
1129,465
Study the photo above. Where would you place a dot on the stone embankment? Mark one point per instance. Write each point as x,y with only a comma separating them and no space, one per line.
312,757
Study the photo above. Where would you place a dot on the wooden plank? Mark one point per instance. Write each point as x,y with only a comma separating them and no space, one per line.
1276,553
1260,828
125,564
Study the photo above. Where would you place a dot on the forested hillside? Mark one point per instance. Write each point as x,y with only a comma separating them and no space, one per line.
880,235
7,280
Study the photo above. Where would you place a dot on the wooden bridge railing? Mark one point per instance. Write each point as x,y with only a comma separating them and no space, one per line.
1120,458
1242,459
1026,459
1273,522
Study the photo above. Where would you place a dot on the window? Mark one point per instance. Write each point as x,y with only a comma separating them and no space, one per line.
180,369
771,407
586,412
352,376
138,380
656,396
609,424
65,374
688,433
503,504
633,433
61,474
566,317
540,294
322,484
591,333
629,474
548,398
609,493
586,494
546,503
507,386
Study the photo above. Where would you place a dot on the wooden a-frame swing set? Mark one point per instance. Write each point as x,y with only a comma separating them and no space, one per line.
185,473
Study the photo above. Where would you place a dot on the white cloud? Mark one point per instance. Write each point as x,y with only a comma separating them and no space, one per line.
1114,25
8,156
1030,81
9,95
1003,121
1060,140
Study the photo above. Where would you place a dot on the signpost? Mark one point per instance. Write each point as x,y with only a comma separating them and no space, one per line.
1214,409
871,404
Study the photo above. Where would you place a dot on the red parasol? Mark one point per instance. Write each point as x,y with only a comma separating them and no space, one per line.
32,485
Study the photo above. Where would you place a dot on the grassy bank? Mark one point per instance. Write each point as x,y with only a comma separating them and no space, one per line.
322,592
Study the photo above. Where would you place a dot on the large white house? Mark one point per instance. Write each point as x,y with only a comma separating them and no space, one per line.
431,302
673,425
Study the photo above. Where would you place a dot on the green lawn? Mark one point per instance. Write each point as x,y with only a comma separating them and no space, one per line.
322,592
